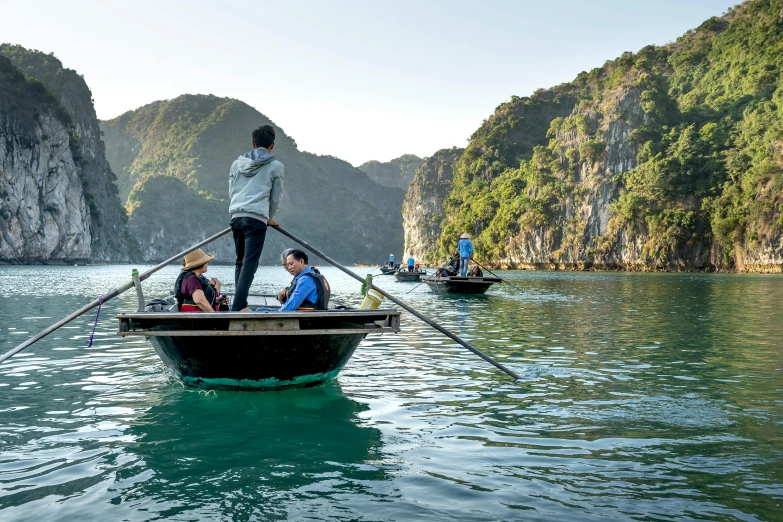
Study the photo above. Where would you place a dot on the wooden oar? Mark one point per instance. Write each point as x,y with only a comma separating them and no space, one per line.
110,295
399,303
494,274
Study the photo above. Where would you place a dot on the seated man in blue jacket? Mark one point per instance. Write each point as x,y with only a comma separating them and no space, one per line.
311,291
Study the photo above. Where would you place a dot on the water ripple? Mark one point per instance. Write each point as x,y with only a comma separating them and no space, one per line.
644,396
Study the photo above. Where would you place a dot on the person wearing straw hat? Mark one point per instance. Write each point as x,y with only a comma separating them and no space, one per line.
194,292
465,247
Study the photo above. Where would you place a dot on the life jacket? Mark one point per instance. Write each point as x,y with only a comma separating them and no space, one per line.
187,302
324,293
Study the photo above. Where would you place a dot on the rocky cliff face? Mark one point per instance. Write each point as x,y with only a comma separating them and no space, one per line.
44,216
422,211
667,159
397,173
173,159
109,237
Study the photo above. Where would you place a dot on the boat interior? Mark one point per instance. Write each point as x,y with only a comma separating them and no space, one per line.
161,318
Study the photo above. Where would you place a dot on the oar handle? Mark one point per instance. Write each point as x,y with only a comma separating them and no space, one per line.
399,303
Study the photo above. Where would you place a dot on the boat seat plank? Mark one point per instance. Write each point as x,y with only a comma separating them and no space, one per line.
256,325
355,315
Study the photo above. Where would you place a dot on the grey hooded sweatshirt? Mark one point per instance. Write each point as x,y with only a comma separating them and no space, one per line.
255,185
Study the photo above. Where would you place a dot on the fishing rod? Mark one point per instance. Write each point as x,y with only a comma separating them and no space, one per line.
402,305
110,295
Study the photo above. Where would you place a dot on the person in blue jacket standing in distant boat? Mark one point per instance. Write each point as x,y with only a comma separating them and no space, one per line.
411,263
465,247
391,260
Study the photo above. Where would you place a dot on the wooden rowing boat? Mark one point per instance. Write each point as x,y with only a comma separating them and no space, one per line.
404,276
460,285
257,350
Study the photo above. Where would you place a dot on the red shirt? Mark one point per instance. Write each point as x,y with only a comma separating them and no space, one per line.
190,284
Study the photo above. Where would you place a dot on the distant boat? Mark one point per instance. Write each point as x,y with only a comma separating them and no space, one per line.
387,270
404,276
256,350
461,285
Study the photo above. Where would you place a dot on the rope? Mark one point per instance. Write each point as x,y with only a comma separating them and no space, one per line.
100,302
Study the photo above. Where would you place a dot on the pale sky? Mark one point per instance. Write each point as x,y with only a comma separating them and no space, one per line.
357,80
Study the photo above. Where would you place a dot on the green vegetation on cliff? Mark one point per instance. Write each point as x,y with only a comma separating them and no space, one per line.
682,142
422,210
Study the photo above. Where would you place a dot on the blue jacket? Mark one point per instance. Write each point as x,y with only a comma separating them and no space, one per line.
465,247
305,290
411,262
255,185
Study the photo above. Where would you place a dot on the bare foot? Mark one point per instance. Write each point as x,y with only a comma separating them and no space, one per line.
246,309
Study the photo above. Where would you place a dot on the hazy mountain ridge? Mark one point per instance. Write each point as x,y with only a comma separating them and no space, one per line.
396,173
669,158
193,139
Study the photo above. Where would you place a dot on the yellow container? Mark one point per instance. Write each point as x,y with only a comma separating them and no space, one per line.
372,300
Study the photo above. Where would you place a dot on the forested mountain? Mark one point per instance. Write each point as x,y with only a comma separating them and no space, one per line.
397,173
52,138
172,159
671,157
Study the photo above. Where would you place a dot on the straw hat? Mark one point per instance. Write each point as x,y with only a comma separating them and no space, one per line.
465,235
196,258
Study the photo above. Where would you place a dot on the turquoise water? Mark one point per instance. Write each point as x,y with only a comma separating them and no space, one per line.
644,397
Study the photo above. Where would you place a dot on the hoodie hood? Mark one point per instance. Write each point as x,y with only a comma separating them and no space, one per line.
250,162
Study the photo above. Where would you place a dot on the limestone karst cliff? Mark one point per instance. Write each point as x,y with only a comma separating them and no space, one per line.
44,216
172,158
108,233
422,211
669,158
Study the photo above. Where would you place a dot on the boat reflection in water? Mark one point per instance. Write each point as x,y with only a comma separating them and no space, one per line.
249,454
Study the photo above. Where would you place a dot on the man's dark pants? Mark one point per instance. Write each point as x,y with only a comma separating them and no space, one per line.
249,235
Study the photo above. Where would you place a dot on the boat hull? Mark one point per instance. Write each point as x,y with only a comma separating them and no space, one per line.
461,285
257,350
263,363
385,270
408,277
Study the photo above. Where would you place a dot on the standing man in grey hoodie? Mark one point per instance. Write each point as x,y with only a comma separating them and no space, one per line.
255,185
